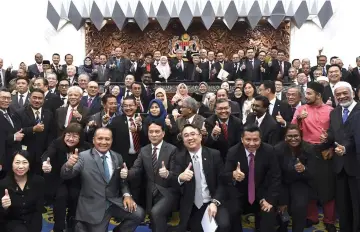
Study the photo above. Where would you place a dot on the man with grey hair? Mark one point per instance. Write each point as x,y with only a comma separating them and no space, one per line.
71,74
179,67
188,112
346,165
203,56
294,96
83,82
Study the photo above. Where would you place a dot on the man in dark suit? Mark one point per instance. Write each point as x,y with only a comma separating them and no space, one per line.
219,65
235,107
346,166
100,187
10,134
354,77
156,160
203,110
35,69
236,67
21,98
188,114
135,66
197,71
334,74
51,101
69,59
197,173
223,129
37,124
119,66
103,72
251,67
147,67
74,112
147,89
281,67
261,117
321,64
92,101
56,67
252,168
179,67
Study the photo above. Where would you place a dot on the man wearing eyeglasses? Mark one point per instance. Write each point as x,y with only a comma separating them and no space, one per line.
198,170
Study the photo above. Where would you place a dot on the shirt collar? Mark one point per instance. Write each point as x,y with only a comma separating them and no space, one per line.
227,121
248,152
34,110
107,154
3,111
351,107
158,147
198,154
272,102
191,119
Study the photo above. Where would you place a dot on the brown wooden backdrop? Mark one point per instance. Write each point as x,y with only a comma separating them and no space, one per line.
218,39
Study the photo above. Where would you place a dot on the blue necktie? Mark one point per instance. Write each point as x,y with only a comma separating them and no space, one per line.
106,168
345,114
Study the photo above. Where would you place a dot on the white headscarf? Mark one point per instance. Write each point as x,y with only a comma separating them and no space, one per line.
164,69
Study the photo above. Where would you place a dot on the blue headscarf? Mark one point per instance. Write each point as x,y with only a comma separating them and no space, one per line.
161,117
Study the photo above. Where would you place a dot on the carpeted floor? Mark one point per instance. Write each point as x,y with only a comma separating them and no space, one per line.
248,223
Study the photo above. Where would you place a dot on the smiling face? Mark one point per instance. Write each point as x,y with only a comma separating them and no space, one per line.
192,138
102,140
20,165
251,140
293,137
154,109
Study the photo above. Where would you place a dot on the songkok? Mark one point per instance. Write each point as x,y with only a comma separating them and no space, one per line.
317,87
197,96
322,78
342,84
46,62
195,54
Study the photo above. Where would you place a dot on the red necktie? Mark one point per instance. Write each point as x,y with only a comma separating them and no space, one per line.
148,67
225,131
136,137
70,116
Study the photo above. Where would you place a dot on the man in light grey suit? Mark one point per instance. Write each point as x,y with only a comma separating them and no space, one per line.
99,198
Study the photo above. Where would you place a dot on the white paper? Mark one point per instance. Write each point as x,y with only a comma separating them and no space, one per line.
223,74
207,225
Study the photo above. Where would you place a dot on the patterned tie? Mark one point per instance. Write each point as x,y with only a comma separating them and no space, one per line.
136,137
154,159
37,116
251,179
198,188
21,100
89,102
70,117
324,71
345,114
225,130
7,117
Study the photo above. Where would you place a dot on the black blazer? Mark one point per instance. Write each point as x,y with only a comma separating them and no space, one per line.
60,117
95,106
252,73
26,205
328,94
52,102
120,71
286,112
268,127
212,167
14,105
354,77
33,71
267,172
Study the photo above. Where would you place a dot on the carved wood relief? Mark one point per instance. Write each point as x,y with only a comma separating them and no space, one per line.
217,39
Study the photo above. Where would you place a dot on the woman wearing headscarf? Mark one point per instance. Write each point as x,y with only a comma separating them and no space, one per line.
163,69
160,94
204,90
182,92
88,68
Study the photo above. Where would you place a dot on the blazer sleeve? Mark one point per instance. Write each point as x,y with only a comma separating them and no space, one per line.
230,166
219,165
274,173
137,168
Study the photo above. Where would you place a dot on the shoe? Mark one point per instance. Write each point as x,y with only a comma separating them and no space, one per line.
330,227
310,223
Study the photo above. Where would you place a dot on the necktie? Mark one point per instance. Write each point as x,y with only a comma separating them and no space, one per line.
345,114
147,90
89,102
106,168
225,130
135,135
37,116
154,158
252,63
222,65
281,67
118,63
7,117
278,96
324,72
21,100
198,189
148,68
70,117
40,68
251,179
256,122
127,93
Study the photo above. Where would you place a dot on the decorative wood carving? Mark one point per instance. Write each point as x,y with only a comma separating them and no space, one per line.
217,39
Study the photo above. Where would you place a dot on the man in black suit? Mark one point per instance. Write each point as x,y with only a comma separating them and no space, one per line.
282,66
223,129
334,75
251,67
137,93
197,71
147,89
35,69
103,71
156,160
251,167
37,124
261,117
135,66
92,100
21,98
179,67
354,77
236,65
69,59
197,172
224,94
56,67
346,166
51,101
293,97
119,66
321,64
74,112
52,80
203,110
10,134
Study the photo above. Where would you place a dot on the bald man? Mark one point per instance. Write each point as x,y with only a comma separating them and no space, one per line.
92,100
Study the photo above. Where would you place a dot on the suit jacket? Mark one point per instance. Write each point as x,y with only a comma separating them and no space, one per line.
268,127
197,121
33,71
97,118
226,65
267,172
285,111
103,74
143,165
92,195
136,70
60,117
52,102
234,127
212,167
328,93
354,77
276,69
252,72
14,105
95,106
121,69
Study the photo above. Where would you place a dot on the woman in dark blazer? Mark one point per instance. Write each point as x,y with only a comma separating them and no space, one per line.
66,192
297,163
22,197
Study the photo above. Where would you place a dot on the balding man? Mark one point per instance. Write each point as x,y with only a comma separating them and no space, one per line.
71,74
119,66
92,100
35,69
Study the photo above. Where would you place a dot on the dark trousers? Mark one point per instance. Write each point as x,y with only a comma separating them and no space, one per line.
221,218
137,189
329,212
161,209
347,202
264,221
66,197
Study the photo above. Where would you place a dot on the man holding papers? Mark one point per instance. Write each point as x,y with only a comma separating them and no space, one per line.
198,170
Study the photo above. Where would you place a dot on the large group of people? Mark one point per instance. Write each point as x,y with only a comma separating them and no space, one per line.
104,140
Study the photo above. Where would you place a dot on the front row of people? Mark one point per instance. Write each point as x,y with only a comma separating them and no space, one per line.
256,178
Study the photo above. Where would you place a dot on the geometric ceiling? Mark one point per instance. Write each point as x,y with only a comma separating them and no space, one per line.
230,12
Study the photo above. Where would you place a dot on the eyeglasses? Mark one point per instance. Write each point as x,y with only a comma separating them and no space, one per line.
128,106
190,135
5,98
72,136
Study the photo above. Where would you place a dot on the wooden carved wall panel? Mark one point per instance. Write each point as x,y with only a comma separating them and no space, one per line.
217,39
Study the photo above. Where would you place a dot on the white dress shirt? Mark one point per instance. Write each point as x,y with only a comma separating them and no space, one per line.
24,96
350,108
158,147
34,110
248,155
132,148
259,120
64,99
271,106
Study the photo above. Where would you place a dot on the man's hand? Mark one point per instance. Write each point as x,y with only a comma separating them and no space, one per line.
238,175
339,149
129,204
303,114
73,159
19,136
167,121
38,128
106,117
91,123
187,175
46,166
212,210
299,167
280,119
124,172
77,115
138,121
329,102
265,206
5,200
323,136
216,130
163,172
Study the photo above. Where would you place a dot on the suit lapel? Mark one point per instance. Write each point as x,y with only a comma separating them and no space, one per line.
276,108
207,163
99,163
30,114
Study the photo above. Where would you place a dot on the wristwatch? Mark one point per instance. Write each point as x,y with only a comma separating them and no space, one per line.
216,202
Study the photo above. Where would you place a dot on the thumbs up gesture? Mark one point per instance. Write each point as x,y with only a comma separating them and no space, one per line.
187,175
238,175
138,120
163,172
280,119
5,200
167,121
303,114
19,136
323,136
329,102
124,172
299,167
46,166
216,130
339,149
73,159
